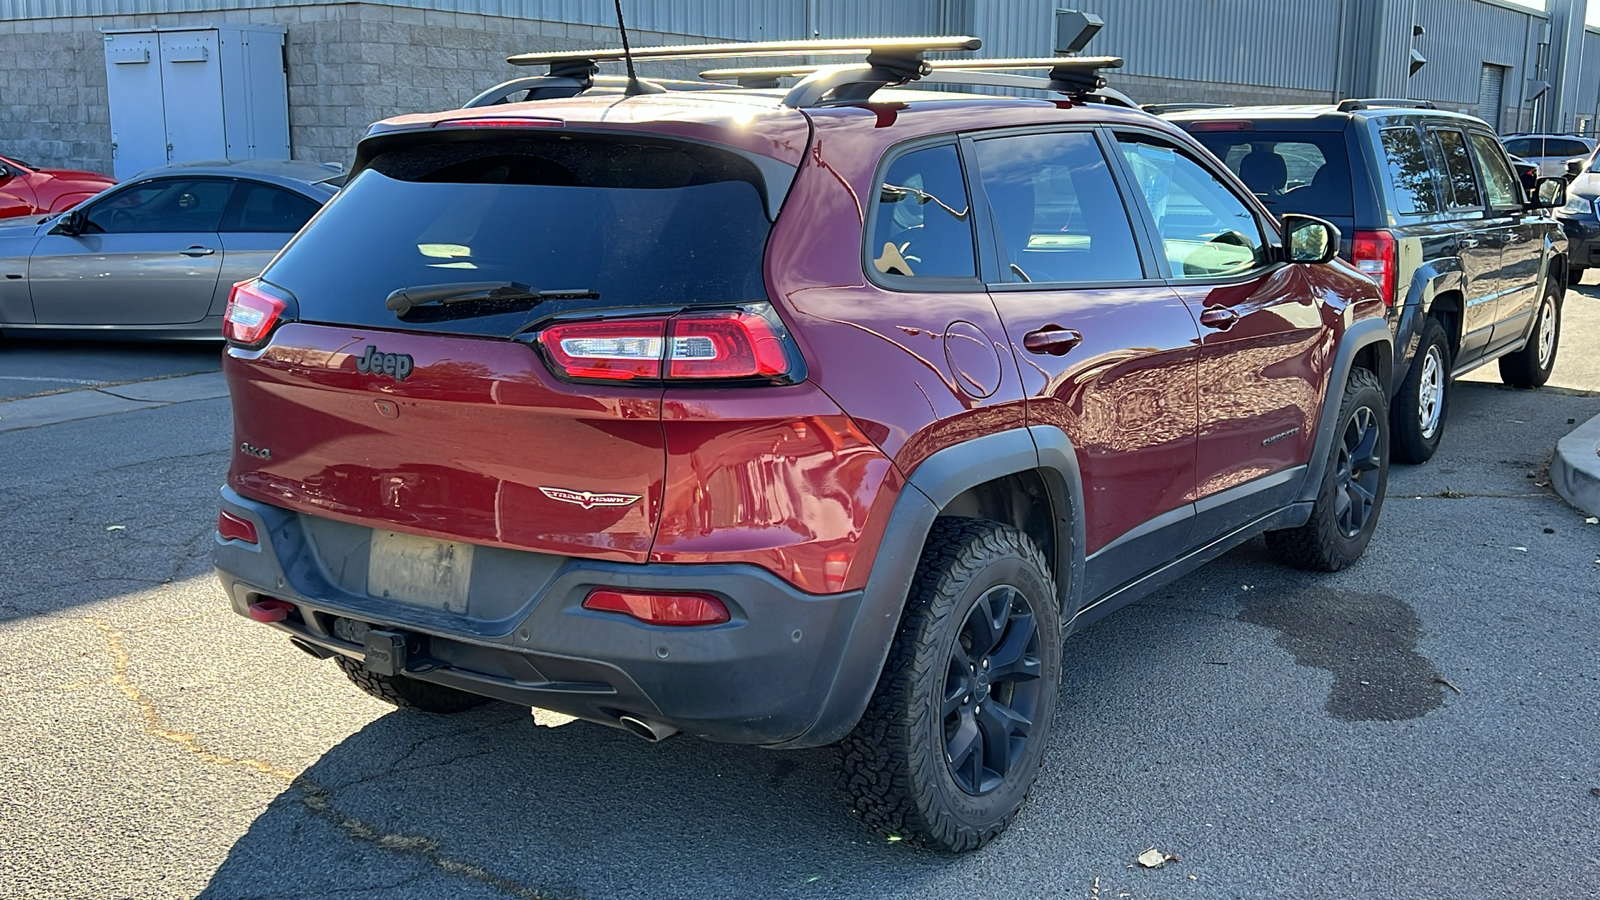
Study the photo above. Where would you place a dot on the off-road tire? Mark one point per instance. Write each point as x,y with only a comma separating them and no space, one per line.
408,693
1410,442
1524,368
1321,545
894,766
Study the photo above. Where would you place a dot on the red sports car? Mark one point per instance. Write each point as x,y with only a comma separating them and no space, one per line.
27,191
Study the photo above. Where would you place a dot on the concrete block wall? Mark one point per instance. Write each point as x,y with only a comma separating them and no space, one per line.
350,64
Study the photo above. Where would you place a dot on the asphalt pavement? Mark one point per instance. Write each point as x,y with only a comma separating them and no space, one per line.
1423,724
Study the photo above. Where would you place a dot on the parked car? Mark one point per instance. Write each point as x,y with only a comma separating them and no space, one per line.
1549,152
1579,221
787,419
154,257
26,190
1431,209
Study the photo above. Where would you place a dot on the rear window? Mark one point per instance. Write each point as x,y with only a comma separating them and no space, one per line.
1410,173
612,222
1292,172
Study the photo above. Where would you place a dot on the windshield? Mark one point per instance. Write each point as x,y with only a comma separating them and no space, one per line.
594,222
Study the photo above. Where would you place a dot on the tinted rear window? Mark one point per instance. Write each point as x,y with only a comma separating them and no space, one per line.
641,223
1292,172
1410,172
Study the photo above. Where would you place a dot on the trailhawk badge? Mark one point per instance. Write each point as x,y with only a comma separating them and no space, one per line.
588,499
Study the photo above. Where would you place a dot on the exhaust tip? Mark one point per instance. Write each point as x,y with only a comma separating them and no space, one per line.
654,732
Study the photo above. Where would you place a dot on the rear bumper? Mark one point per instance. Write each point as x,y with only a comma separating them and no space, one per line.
772,675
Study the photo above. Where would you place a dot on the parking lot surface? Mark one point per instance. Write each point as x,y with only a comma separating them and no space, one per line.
1420,725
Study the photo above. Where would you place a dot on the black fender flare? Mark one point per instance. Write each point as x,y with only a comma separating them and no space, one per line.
931,486
1432,278
1358,336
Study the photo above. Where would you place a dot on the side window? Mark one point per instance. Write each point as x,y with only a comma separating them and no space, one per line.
1206,230
1460,184
1410,174
923,224
166,205
264,209
1498,181
1057,208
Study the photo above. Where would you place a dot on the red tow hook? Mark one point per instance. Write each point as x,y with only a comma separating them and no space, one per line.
270,610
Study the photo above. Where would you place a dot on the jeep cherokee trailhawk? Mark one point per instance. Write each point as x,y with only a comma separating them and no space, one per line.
787,418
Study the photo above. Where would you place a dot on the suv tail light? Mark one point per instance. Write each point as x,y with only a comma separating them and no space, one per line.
747,343
252,311
1373,254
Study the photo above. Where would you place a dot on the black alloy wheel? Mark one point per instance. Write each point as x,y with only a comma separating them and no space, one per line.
1359,472
991,692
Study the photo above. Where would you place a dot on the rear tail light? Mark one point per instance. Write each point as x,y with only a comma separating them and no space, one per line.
660,609
736,344
252,311
1373,254
236,528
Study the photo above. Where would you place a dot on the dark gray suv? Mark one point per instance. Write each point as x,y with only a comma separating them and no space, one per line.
1471,264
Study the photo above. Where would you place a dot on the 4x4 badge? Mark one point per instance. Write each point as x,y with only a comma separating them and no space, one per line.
397,365
588,499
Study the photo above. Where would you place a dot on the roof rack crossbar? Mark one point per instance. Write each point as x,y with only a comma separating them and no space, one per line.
1075,76
549,87
1354,104
897,47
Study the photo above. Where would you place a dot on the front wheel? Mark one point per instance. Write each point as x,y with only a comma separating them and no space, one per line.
1531,366
953,737
1357,474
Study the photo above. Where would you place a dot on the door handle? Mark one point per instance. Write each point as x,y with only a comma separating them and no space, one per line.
197,250
1052,339
1219,317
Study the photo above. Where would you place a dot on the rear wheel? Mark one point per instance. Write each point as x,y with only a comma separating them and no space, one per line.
953,737
1420,405
1531,366
408,693
1346,511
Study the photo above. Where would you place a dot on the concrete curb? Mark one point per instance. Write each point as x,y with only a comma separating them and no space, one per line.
1575,468
50,409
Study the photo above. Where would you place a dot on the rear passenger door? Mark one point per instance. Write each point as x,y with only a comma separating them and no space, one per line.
1481,235
1522,247
1106,351
1263,362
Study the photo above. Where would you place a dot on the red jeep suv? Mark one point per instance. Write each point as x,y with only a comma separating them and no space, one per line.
787,418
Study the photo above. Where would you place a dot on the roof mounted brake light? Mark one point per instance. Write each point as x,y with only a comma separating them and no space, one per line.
1225,125
501,122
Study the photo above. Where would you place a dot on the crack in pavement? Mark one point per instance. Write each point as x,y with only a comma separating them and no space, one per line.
316,798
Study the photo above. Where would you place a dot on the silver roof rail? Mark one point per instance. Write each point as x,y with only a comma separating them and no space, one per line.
547,87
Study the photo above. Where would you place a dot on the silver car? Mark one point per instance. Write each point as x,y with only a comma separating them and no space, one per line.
1549,152
156,256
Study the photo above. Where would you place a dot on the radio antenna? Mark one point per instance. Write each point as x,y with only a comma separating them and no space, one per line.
634,86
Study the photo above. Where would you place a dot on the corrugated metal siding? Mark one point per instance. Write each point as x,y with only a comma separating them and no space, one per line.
1226,41
1588,100
1461,36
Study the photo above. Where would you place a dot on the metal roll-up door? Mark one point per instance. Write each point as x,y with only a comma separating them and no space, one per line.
1491,84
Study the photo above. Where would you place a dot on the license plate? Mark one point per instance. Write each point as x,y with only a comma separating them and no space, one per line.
420,571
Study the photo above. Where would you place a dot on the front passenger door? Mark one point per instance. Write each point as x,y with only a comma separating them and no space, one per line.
1522,245
1264,362
148,255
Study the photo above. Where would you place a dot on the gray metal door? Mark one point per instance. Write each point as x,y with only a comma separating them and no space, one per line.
1491,85
133,92
191,87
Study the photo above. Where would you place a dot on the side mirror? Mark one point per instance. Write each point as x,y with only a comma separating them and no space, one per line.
70,224
1309,239
1575,166
1550,193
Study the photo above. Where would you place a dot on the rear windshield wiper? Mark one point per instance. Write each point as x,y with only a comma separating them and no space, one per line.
493,293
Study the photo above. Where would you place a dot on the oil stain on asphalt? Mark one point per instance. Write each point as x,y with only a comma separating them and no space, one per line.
1368,642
